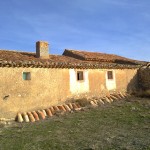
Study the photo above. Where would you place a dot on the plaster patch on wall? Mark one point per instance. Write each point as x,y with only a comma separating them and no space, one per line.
111,83
77,87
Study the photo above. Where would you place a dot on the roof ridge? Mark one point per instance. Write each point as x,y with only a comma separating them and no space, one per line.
85,51
82,51
18,51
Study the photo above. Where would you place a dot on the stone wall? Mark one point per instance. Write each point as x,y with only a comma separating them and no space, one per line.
144,78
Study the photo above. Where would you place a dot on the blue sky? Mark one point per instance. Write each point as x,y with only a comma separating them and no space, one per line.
111,26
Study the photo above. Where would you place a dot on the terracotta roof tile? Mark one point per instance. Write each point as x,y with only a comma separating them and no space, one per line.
69,59
101,57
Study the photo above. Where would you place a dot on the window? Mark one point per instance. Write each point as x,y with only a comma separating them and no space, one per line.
109,74
26,76
80,75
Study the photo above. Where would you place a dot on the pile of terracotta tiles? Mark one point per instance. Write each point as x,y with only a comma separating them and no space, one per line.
53,110
108,99
49,112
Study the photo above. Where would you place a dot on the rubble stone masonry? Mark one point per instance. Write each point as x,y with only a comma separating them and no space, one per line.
144,78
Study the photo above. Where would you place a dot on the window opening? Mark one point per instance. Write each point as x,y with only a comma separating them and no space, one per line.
109,74
80,75
26,76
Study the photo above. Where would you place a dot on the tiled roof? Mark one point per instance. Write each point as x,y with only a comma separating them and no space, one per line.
26,59
101,57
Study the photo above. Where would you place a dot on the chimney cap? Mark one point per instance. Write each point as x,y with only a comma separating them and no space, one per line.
41,41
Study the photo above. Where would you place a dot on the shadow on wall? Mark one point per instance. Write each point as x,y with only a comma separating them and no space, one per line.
133,85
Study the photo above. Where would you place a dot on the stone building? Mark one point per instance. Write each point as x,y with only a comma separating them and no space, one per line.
31,81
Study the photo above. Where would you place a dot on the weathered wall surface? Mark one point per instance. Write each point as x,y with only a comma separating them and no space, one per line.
111,83
144,78
126,80
53,86
77,87
46,87
97,81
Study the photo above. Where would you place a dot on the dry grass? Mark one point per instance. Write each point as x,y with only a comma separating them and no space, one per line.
122,125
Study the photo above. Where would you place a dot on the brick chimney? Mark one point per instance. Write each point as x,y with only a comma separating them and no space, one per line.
42,49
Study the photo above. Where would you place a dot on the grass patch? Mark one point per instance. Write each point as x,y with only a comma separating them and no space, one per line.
121,125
